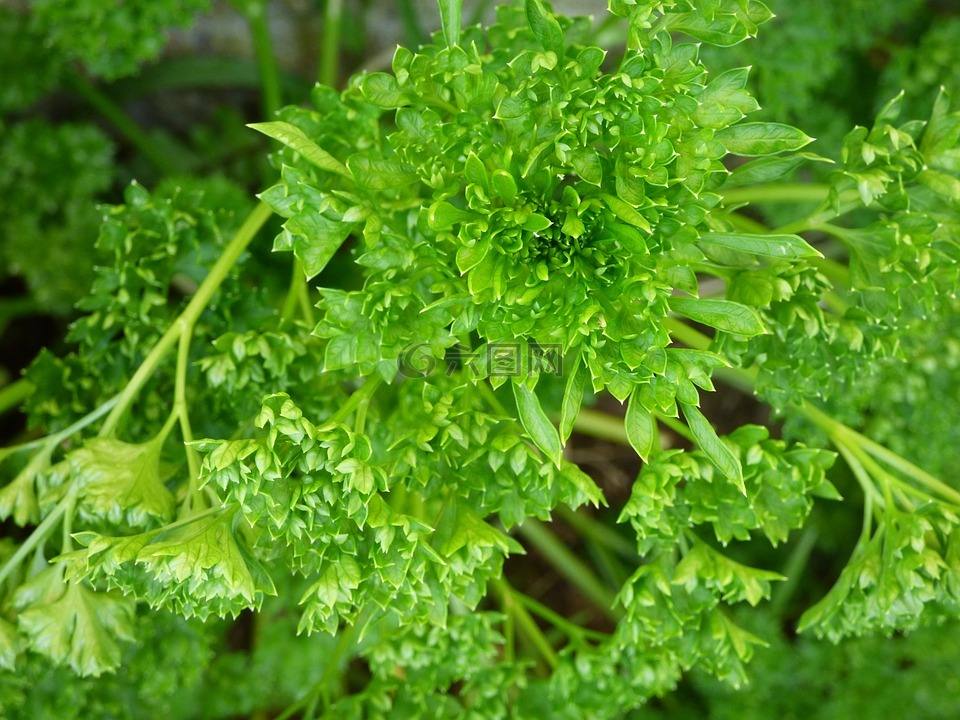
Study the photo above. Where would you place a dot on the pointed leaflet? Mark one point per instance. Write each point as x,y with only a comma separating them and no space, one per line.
295,139
723,315
781,247
640,426
572,398
451,14
545,27
537,424
761,138
712,446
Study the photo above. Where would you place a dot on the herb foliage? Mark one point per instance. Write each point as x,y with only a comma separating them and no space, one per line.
342,457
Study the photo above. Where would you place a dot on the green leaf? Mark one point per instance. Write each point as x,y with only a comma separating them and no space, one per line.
584,484
545,28
537,424
572,398
120,483
586,163
769,169
451,13
761,138
723,315
713,447
780,247
295,139
626,212
316,239
725,100
376,175
383,90
80,628
640,426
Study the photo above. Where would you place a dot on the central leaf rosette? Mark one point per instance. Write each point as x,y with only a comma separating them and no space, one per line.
519,187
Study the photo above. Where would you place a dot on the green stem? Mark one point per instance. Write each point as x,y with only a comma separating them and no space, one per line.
40,533
188,318
271,93
527,624
360,395
13,395
693,339
600,425
793,570
833,428
849,200
777,193
837,273
345,642
126,126
182,409
298,295
747,224
572,630
329,69
570,566
411,26
676,425
597,531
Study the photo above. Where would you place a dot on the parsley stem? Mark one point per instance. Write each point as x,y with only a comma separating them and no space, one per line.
597,531
570,566
188,318
360,396
776,193
329,66
601,425
40,533
127,127
271,95
572,630
298,294
181,408
12,395
527,624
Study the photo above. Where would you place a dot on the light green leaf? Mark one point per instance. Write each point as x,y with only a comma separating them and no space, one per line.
712,446
120,483
626,212
383,90
572,398
81,628
640,426
545,27
451,13
761,138
375,174
584,484
537,424
781,247
723,315
316,239
295,139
